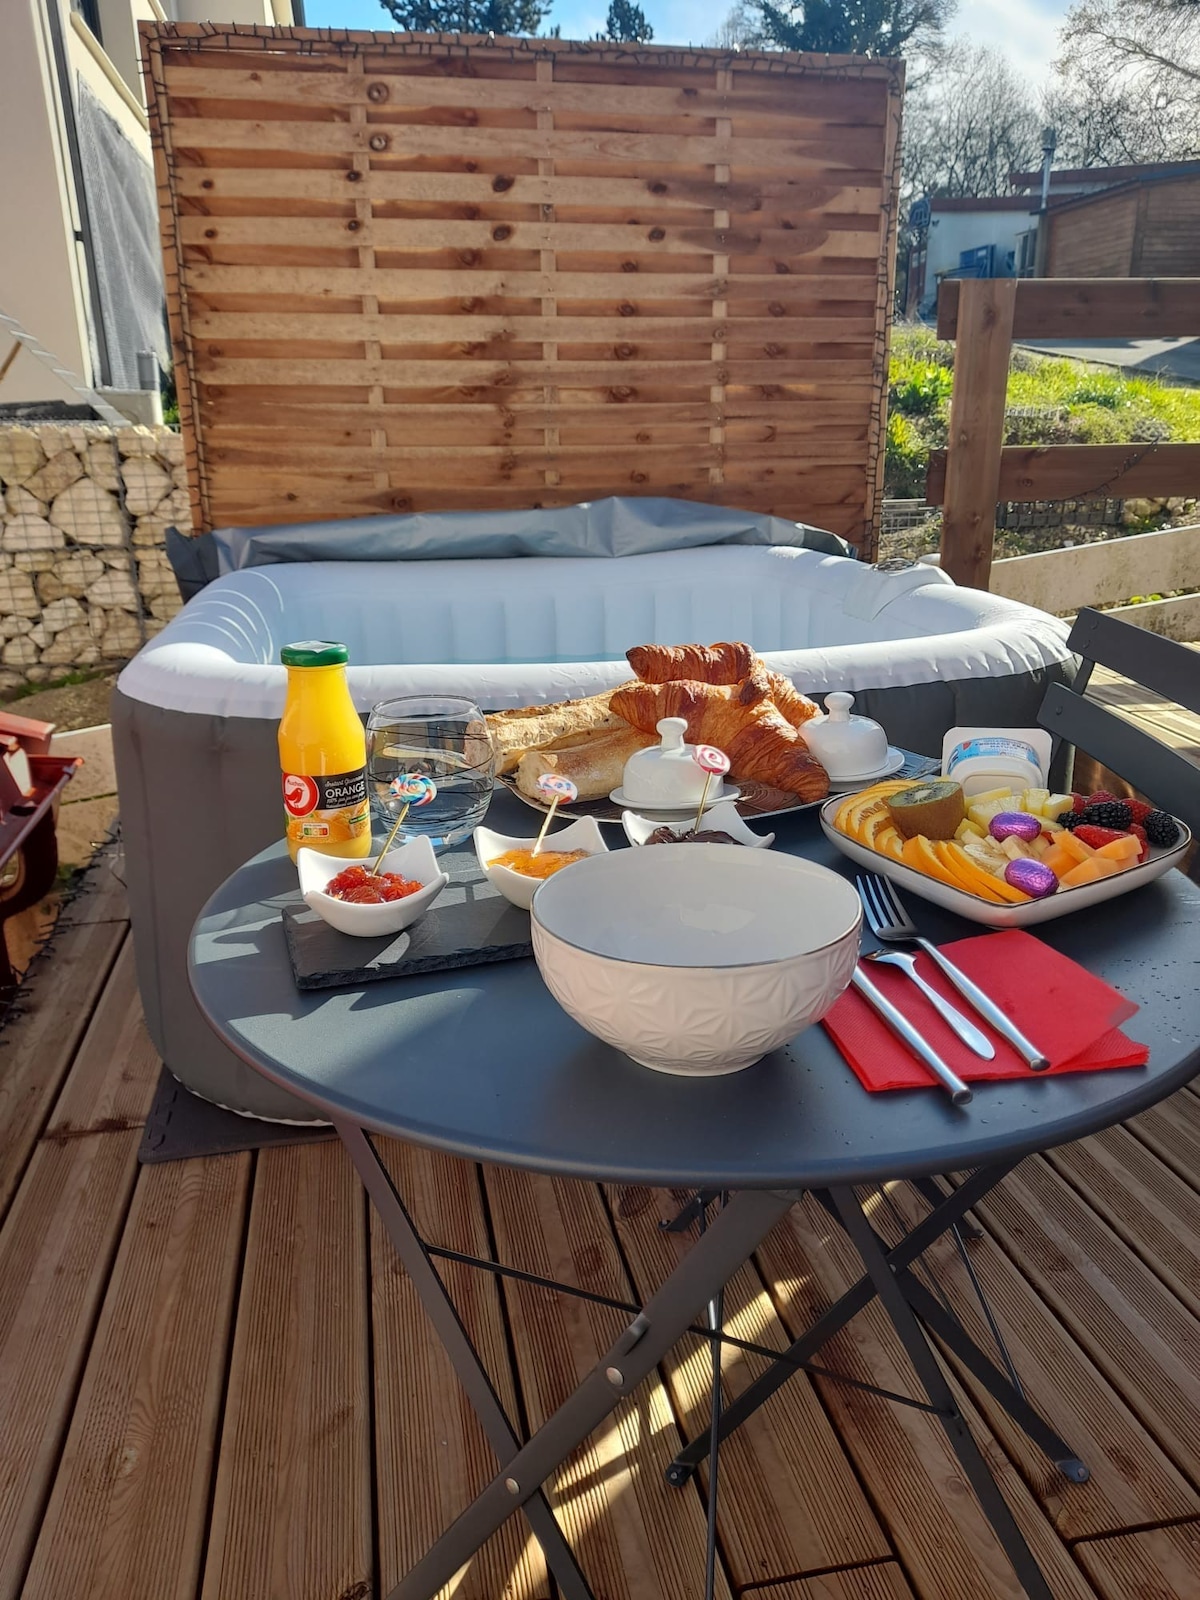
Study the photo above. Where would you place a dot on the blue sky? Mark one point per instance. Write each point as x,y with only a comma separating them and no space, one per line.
1025,29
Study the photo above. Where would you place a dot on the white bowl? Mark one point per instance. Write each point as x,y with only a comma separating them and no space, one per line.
518,889
414,860
696,961
724,817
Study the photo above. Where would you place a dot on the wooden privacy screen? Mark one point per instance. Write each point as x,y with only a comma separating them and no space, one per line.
412,272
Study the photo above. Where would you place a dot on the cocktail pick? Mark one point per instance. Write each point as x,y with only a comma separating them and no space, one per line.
554,789
415,789
713,763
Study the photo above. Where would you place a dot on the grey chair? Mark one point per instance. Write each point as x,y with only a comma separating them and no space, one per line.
1171,670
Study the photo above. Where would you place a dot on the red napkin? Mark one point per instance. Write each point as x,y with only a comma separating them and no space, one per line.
1072,1016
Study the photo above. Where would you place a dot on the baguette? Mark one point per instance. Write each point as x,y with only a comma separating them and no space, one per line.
595,766
536,727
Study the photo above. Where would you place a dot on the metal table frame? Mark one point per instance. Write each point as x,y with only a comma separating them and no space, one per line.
723,1247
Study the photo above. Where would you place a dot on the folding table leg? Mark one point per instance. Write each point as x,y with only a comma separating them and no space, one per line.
442,1312
666,1316
835,1319
933,1380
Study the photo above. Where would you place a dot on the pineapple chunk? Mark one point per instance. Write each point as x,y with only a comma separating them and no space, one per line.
1033,800
988,795
1056,804
967,828
982,811
1015,849
1040,846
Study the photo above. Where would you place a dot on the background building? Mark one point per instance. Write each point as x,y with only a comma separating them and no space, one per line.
80,267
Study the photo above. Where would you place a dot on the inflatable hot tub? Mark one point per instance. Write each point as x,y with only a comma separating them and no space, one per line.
195,713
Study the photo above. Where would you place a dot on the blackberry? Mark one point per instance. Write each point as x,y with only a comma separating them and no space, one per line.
1108,814
1161,828
1069,820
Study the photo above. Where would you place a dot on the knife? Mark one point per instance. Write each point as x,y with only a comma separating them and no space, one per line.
987,1008
959,1093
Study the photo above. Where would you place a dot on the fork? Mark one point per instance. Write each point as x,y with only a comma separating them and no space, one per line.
891,924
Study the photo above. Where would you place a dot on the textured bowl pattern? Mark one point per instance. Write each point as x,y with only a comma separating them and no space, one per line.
699,1021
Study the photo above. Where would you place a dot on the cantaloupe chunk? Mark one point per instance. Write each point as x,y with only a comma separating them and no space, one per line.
1088,872
1120,850
1058,860
1075,848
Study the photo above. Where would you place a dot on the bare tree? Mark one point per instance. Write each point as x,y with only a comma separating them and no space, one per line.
968,123
1128,85
741,30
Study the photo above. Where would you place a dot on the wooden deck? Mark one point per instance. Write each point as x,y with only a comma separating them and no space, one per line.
216,1383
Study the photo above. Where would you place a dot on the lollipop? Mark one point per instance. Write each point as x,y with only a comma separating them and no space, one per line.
554,788
1032,877
415,789
1014,825
713,763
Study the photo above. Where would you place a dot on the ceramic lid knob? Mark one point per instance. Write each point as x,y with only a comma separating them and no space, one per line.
847,747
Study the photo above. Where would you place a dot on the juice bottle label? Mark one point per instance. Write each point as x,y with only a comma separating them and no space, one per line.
329,808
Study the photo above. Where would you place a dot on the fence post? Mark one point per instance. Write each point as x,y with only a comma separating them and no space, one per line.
983,344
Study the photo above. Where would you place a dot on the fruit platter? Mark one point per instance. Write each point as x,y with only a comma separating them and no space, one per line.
1006,857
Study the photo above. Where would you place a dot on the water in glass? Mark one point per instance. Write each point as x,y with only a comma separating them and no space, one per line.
446,739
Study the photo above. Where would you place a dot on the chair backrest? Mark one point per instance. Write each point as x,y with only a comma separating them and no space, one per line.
1168,669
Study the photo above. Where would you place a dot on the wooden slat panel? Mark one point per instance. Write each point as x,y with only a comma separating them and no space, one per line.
635,1538
1131,1325
292,1505
1090,308
114,1078
37,1046
541,188
1132,1482
939,1531
428,1434
1156,1564
1070,471
789,1501
129,1510
55,1251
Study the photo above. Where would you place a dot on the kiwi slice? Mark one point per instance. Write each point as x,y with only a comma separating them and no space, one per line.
934,808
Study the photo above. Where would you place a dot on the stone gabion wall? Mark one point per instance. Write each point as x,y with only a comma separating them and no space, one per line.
84,577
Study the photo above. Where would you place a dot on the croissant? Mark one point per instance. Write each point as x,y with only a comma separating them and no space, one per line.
714,663
797,708
740,719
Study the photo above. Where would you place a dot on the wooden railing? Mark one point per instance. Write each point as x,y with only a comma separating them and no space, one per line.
983,316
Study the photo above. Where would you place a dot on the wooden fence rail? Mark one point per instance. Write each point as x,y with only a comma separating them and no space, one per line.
976,470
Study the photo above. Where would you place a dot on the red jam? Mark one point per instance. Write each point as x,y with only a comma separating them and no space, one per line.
362,888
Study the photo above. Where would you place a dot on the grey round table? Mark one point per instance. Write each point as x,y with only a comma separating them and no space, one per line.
483,1063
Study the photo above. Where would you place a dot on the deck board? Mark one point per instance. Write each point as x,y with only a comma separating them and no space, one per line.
216,1383
135,1476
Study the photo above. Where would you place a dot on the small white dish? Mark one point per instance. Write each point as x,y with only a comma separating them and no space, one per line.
414,860
717,793
516,887
846,746
723,818
895,760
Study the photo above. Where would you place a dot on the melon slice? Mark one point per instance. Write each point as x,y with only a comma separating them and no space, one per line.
1058,860
1088,872
1123,851
1075,848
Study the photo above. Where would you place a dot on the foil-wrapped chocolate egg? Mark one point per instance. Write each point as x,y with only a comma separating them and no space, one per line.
1014,825
1031,877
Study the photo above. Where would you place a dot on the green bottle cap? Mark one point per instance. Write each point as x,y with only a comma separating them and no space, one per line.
314,653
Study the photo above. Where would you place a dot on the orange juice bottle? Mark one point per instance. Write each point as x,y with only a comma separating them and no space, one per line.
323,753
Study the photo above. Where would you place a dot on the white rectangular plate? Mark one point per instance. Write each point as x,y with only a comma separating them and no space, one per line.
975,908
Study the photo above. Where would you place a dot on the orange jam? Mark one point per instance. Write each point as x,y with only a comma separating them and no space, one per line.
539,866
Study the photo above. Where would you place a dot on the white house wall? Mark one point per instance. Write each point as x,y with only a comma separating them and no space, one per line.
952,232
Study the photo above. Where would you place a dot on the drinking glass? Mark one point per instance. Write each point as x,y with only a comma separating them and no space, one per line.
446,739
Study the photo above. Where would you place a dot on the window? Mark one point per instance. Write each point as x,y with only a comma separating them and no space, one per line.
89,10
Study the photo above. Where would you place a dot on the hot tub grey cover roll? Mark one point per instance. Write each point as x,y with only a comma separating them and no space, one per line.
599,528
195,716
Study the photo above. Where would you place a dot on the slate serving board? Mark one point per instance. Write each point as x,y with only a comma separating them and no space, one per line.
468,925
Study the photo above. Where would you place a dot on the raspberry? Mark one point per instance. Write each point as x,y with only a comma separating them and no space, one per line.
1078,803
1161,828
1100,798
1139,834
1139,810
1108,814
1090,834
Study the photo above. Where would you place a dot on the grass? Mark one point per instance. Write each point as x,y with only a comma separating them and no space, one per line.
1051,400
68,681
